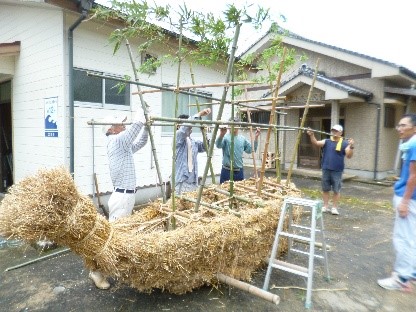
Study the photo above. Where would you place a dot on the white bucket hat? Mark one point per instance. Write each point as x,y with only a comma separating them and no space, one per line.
111,120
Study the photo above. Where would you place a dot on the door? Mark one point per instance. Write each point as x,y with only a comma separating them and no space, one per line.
309,156
6,152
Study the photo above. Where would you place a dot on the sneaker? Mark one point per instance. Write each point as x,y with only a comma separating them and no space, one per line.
325,209
394,283
334,211
99,280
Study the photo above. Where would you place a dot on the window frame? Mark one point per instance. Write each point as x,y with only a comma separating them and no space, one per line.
103,103
169,132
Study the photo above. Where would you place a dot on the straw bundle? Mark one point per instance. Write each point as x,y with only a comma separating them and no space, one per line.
137,249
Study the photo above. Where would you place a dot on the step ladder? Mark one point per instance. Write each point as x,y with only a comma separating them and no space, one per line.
296,233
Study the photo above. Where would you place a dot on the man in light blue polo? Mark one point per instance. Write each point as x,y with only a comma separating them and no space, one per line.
241,145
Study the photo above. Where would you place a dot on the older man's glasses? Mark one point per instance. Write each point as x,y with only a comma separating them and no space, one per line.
403,126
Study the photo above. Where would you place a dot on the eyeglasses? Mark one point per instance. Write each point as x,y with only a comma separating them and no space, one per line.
403,126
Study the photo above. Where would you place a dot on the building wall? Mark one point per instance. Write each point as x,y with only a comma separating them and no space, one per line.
38,74
41,72
92,51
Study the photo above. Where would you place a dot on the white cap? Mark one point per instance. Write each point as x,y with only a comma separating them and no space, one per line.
338,128
111,120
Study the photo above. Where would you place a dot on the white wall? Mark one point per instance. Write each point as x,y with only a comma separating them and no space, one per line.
92,51
38,74
41,71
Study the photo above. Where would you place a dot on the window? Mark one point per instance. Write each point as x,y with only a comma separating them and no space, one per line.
99,91
149,64
262,117
186,105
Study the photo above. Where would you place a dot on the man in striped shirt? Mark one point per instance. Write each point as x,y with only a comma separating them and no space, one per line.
187,149
122,144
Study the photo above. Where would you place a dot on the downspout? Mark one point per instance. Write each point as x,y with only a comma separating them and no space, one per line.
377,140
71,29
378,106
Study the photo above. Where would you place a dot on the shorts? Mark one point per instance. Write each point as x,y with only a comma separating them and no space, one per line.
331,180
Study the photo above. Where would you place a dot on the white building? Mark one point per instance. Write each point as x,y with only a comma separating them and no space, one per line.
35,57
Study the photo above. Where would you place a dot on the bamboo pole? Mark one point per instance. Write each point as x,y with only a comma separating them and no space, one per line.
203,130
274,98
289,174
146,116
272,121
173,173
251,139
277,154
200,86
249,288
231,202
208,205
167,119
258,203
151,86
255,190
38,259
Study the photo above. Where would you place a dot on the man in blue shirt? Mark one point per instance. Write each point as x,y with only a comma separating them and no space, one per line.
241,144
334,151
187,149
404,203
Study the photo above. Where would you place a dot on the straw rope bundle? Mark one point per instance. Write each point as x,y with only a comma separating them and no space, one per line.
137,249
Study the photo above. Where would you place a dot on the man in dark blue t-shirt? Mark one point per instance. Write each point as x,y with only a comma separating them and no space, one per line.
334,151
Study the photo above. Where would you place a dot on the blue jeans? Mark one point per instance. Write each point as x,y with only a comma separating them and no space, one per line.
225,175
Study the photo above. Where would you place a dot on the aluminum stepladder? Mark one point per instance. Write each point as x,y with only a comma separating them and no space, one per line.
315,207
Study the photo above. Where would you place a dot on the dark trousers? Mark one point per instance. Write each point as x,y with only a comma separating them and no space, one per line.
225,175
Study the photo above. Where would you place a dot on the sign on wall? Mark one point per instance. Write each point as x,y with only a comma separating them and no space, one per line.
51,116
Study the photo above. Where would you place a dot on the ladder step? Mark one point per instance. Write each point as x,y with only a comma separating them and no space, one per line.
317,244
305,253
301,201
304,227
289,267
297,237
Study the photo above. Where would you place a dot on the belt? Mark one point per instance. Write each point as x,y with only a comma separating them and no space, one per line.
229,169
120,190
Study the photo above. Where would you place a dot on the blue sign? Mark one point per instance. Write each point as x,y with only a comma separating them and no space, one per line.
51,117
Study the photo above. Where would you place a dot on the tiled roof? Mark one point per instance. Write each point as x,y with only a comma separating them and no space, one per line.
284,32
309,72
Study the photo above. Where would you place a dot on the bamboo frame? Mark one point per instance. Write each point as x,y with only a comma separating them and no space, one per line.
271,121
289,173
251,139
146,115
220,111
203,130
200,86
